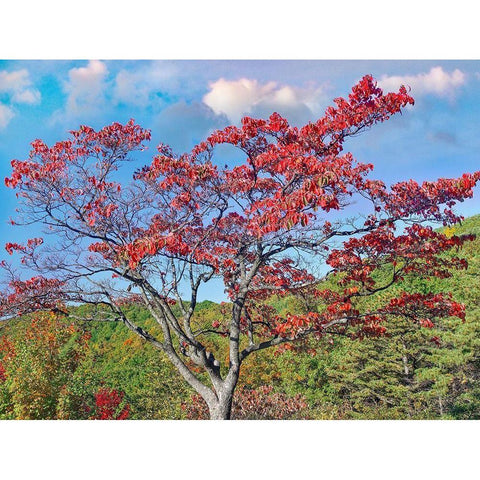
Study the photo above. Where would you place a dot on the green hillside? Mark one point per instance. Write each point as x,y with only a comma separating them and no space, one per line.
51,369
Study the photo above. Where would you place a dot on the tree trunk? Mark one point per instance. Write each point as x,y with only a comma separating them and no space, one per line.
221,410
221,407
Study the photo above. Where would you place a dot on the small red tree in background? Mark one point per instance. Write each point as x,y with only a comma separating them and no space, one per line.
185,220
109,405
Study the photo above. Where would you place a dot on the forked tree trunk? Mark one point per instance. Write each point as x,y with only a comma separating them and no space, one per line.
221,407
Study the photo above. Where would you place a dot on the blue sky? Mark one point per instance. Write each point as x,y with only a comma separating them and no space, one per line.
182,101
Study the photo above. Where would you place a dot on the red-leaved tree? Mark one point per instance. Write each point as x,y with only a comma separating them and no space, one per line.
109,405
259,226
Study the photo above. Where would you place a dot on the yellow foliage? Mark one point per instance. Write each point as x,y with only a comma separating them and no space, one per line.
449,231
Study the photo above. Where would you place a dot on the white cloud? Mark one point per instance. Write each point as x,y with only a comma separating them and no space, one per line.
30,96
6,114
136,87
18,86
237,98
15,87
86,89
437,82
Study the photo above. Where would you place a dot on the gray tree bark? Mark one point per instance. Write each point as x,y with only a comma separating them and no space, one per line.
220,408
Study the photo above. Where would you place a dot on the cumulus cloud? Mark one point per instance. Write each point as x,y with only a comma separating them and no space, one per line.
237,98
6,114
29,96
86,88
437,82
18,86
137,87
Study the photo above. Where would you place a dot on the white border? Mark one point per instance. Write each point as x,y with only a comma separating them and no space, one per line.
238,30
246,29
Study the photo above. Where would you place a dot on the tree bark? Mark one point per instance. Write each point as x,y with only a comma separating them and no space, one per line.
221,410
221,407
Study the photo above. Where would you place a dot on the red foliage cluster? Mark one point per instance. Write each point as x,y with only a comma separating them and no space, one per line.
31,244
415,251
109,405
51,163
36,293
421,307
411,198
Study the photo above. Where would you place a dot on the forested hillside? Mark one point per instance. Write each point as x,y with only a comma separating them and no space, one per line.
53,368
